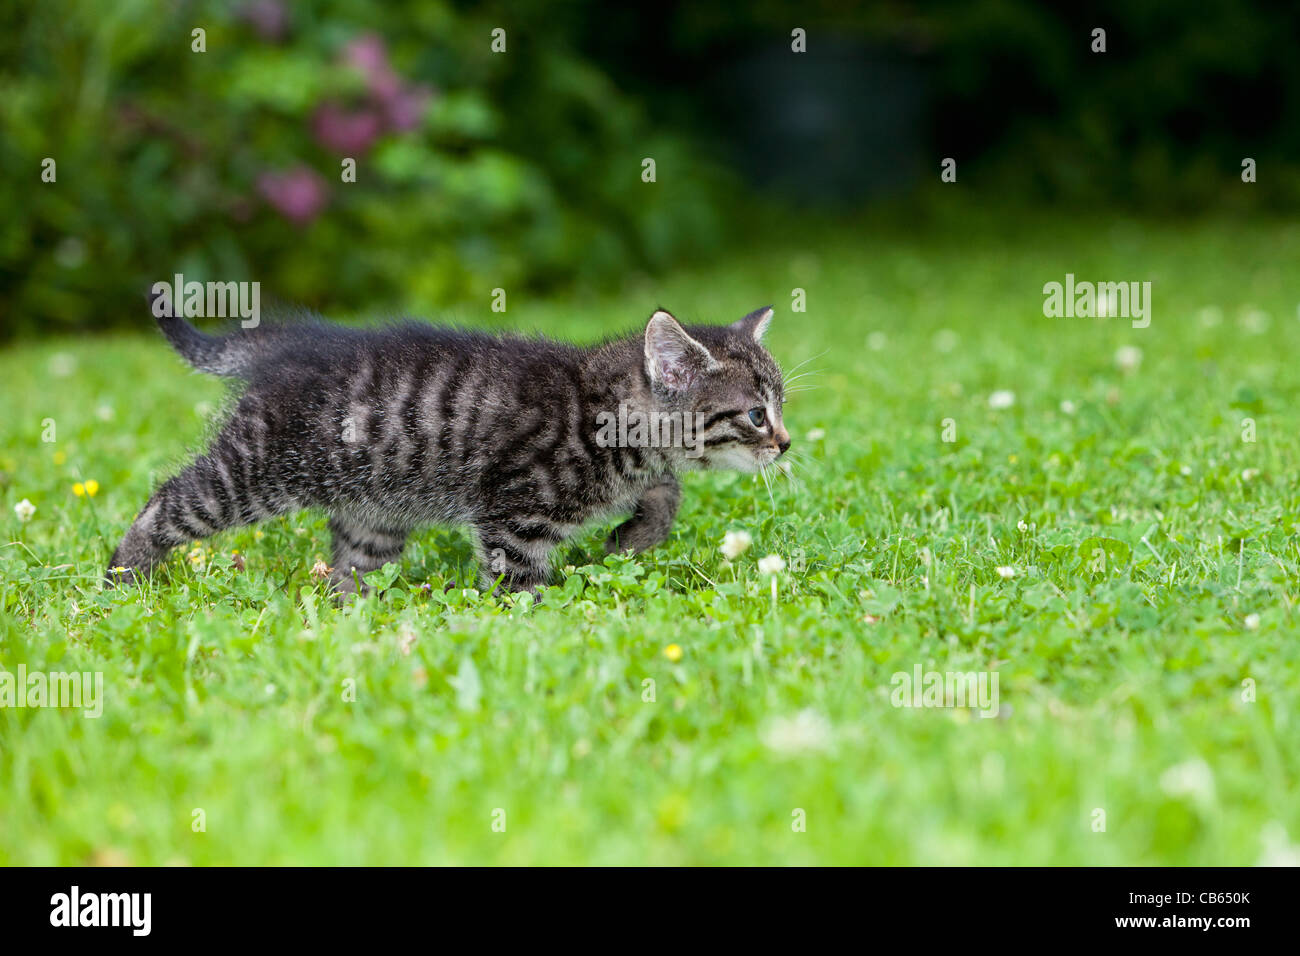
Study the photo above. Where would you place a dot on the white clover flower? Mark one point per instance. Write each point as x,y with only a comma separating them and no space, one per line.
1068,407
1278,848
1002,399
772,564
1192,779
1255,321
1250,474
1128,358
736,543
1006,572
24,510
816,434
805,732
62,364
1252,622
1021,526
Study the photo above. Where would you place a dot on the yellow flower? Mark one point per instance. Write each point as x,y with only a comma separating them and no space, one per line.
79,489
60,457
92,487
673,652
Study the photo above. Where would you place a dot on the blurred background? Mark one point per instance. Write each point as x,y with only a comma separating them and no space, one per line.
523,169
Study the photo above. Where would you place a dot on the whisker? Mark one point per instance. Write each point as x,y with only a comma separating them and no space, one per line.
762,470
808,359
788,472
785,375
796,372
794,378
801,462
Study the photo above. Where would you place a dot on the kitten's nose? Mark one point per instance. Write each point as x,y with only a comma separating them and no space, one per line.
783,440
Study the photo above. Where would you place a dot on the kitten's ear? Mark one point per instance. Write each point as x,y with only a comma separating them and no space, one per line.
672,358
755,324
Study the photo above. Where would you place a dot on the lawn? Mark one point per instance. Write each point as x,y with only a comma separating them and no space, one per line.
1105,538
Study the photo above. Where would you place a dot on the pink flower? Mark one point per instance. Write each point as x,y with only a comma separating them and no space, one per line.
298,194
368,54
346,132
402,105
405,109
269,18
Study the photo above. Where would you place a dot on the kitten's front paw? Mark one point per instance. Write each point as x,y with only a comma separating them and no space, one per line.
504,585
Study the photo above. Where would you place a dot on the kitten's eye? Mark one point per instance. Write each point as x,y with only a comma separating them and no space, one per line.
757,416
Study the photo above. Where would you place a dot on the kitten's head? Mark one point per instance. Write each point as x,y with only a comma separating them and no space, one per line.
726,386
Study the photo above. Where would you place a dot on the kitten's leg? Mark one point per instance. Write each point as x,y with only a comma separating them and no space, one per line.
212,494
651,521
519,549
361,547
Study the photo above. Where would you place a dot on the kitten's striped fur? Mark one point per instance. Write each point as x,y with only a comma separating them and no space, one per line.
394,428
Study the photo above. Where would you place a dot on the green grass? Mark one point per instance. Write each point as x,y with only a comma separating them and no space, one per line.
1121,688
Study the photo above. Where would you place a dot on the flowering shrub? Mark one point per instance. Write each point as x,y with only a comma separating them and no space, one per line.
224,156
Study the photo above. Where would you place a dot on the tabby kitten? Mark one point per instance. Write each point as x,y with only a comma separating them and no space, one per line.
394,428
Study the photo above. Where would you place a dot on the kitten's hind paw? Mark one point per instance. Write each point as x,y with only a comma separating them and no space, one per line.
630,538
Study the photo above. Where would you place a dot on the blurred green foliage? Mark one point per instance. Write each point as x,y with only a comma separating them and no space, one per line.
474,169
522,170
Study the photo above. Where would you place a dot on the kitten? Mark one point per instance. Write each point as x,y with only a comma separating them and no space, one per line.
390,429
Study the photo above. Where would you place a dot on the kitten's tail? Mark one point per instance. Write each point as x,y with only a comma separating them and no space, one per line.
226,355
